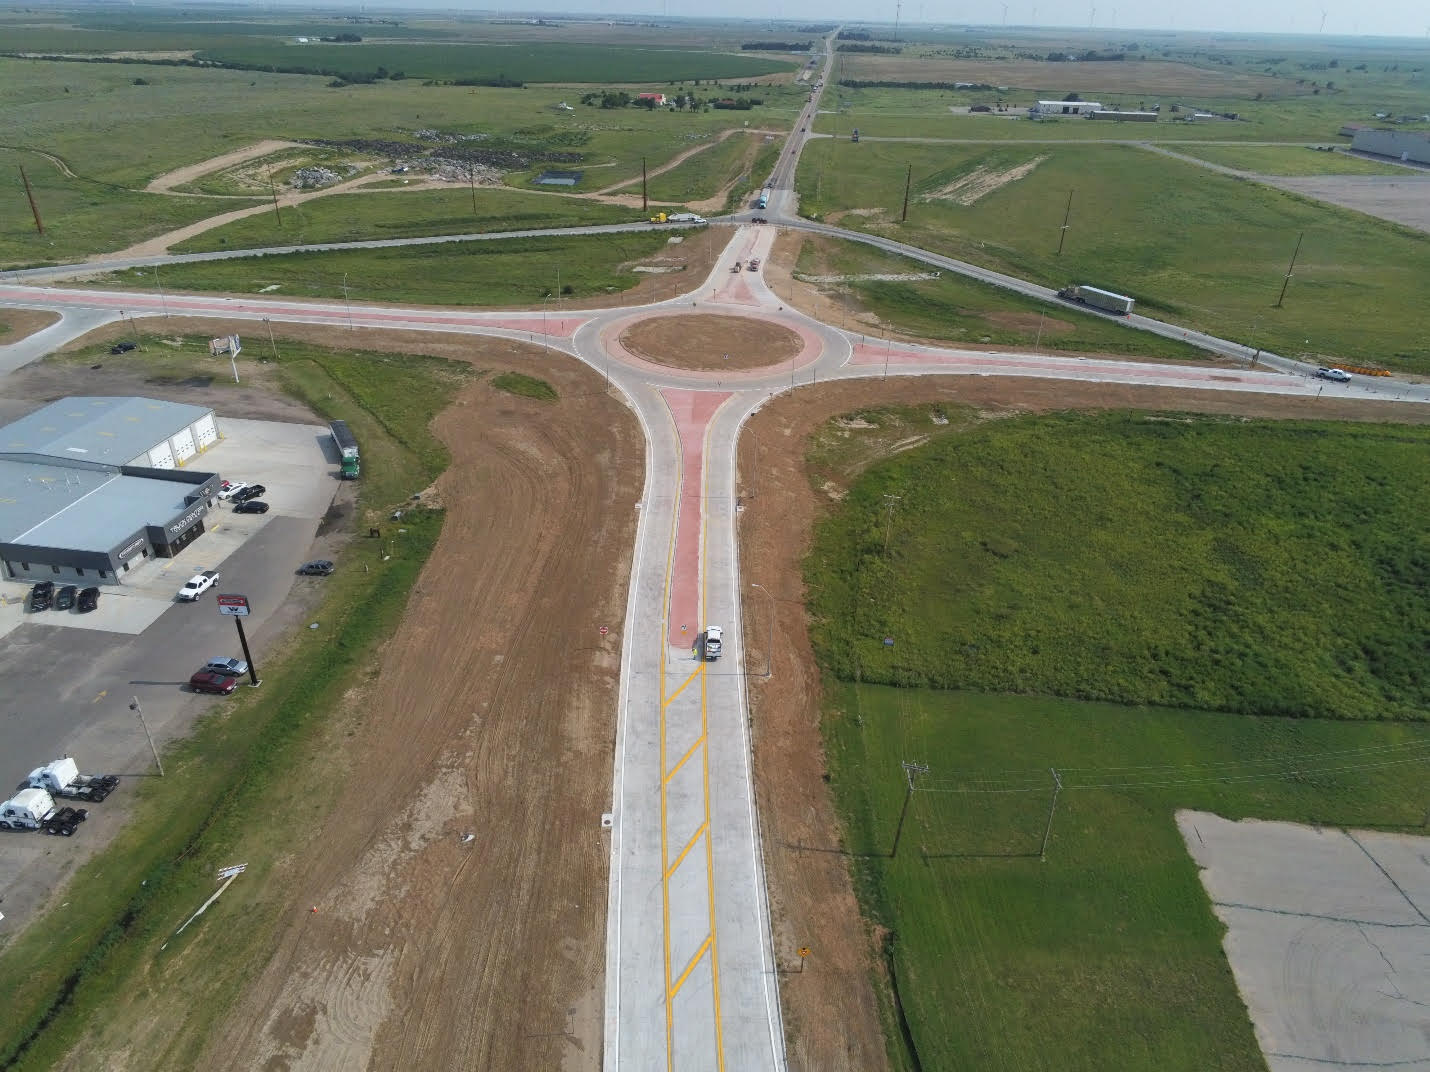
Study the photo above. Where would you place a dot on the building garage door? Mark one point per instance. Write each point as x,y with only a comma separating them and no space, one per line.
161,456
205,431
183,445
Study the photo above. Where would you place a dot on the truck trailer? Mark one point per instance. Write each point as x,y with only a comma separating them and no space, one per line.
63,779
347,445
34,809
764,201
1098,298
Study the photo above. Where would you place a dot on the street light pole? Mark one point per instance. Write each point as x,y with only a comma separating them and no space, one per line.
134,706
770,647
347,302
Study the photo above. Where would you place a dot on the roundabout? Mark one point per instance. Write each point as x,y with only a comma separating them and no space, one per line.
709,342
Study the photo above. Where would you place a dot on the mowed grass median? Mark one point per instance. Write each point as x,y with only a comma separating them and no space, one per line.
264,752
1175,563
1192,246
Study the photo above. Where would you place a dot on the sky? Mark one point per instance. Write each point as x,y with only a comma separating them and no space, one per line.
1401,18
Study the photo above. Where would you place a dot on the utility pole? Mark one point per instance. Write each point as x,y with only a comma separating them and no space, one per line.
472,182
1047,830
890,501
645,203
770,647
274,191
271,343
908,182
1063,233
886,353
1289,269
132,329
163,300
910,769
347,302
34,208
134,706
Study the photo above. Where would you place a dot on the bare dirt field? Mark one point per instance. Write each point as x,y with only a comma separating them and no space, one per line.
830,1007
707,341
1328,935
493,713
1129,76
17,324
1400,199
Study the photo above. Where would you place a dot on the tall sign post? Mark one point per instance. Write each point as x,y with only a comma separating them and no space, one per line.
236,607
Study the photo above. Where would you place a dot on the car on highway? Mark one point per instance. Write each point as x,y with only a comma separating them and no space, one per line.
197,585
1335,375
65,597
319,567
208,681
88,600
228,491
122,347
251,506
225,665
42,595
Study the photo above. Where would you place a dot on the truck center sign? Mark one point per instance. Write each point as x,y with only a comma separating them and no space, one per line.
234,605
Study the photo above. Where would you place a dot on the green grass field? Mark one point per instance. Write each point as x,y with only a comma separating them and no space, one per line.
103,949
706,173
1106,954
954,308
406,214
1190,245
1290,160
544,62
519,271
81,216
1270,568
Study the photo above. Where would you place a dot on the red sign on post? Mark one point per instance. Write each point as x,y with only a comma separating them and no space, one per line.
234,605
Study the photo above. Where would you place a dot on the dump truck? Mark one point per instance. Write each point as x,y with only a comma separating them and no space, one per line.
347,445
34,809
713,637
1105,300
63,779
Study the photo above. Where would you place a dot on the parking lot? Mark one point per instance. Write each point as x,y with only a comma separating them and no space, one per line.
69,677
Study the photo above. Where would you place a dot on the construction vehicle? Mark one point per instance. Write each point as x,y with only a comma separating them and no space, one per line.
659,217
63,779
34,809
347,445
713,637
1105,300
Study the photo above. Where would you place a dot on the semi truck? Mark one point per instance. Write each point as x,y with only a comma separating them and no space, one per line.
63,779
685,217
713,636
1098,298
347,450
34,809
764,201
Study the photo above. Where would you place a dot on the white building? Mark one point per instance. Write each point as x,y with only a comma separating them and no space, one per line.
1045,108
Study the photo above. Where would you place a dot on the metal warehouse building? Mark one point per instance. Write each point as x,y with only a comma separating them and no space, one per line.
1403,145
91,487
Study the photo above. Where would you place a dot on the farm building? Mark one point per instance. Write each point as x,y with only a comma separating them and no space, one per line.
659,98
1403,145
1048,108
91,486
1123,117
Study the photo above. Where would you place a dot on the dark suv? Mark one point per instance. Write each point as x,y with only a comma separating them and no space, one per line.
88,599
64,598
42,595
253,491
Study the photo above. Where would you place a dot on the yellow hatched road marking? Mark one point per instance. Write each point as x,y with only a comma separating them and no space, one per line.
671,698
685,851
691,966
676,769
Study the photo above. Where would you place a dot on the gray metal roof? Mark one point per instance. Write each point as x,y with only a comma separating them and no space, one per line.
81,509
111,431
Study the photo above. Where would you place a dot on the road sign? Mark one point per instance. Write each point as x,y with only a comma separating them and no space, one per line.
803,951
605,630
234,605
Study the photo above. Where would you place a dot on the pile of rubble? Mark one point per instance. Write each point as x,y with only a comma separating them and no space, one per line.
314,177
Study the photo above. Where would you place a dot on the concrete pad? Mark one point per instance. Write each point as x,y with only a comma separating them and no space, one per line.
1326,937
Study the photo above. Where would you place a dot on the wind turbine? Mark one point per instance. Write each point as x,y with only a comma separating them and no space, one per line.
1323,21
1005,13
1092,18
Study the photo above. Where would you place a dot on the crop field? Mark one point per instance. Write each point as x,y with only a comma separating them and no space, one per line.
1107,953
484,274
1089,79
1251,567
1289,160
535,62
1214,255
406,214
81,215
954,308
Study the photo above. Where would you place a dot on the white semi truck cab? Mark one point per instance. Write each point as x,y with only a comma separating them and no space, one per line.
63,779
34,809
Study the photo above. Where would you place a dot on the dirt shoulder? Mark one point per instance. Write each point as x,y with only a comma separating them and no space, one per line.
491,714
17,324
831,1010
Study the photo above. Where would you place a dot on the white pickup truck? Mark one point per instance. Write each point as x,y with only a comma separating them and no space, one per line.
197,585
714,635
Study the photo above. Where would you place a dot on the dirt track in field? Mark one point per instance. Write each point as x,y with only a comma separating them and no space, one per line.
493,713
707,341
831,1015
